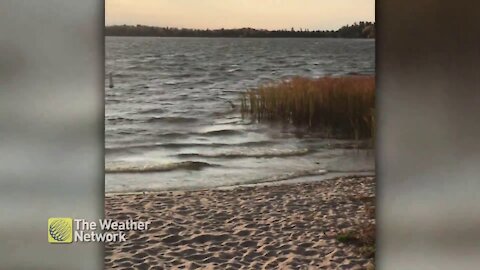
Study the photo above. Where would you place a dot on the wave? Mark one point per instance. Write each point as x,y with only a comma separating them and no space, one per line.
171,82
286,176
155,167
223,132
234,70
153,110
171,119
250,153
353,171
119,119
182,75
115,149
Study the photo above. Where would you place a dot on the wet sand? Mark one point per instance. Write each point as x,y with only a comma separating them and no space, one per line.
263,227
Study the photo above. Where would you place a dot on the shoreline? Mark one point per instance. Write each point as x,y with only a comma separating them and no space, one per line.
292,181
265,226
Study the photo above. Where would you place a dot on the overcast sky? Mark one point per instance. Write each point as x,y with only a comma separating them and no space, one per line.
265,14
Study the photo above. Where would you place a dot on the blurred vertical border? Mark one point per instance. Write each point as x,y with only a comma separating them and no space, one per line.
428,150
51,129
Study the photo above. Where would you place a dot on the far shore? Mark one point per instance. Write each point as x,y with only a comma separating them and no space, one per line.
315,225
355,30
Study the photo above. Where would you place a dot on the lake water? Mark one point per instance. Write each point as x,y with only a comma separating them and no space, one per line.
169,123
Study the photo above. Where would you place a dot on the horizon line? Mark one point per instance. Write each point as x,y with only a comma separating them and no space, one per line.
244,27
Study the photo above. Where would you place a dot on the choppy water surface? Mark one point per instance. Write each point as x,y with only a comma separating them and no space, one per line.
169,123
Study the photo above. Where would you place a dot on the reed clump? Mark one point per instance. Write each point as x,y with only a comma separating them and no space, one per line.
343,106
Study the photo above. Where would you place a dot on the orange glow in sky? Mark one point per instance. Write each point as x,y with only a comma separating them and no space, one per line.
261,14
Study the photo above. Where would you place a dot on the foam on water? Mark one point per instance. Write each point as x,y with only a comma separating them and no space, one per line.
136,167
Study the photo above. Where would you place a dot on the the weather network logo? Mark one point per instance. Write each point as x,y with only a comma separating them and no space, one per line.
60,230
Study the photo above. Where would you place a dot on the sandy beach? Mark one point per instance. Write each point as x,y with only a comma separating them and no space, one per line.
311,225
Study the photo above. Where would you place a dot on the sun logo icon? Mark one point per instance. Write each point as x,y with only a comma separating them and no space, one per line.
60,230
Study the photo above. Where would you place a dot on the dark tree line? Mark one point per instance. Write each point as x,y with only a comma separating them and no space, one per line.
356,30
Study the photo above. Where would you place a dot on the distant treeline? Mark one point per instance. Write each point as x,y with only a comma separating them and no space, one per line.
356,30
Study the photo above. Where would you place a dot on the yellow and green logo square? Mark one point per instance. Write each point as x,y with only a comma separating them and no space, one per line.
60,230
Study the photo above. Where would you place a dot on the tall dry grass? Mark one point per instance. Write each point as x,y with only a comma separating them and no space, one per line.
340,106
